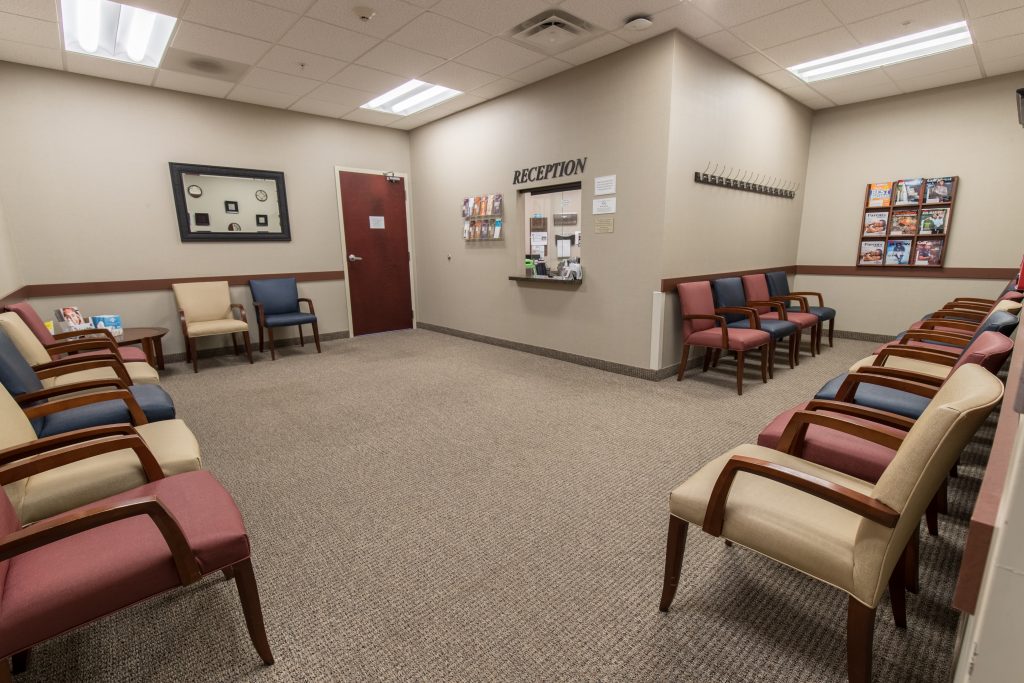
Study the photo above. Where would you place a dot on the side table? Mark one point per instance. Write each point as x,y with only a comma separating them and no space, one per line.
150,338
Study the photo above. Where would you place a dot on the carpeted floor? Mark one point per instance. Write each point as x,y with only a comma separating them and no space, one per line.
423,507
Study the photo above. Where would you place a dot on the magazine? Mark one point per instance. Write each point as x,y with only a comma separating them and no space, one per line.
898,252
904,223
933,221
938,190
70,319
871,252
875,223
109,322
928,253
908,191
879,194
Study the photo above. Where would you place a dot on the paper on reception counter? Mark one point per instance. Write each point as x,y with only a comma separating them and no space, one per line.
605,205
604,184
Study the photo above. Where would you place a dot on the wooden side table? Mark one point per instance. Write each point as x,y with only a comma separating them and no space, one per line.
150,338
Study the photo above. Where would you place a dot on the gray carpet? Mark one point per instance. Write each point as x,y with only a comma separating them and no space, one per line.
423,507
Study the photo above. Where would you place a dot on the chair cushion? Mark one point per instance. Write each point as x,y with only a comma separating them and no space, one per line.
140,373
780,329
739,339
836,450
211,327
278,295
154,401
34,322
285,319
201,301
912,364
874,396
802,320
26,342
54,491
695,299
778,284
728,291
16,374
797,529
75,580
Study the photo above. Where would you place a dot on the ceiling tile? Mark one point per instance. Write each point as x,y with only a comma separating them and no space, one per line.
907,20
34,55
980,8
376,118
1003,48
756,64
735,12
37,9
996,67
541,70
171,8
809,98
682,17
108,68
935,80
598,47
871,92
241,16
439,112
500,57
725,44
781,79
311,105
493,16
946,61
437,35
267,98
399,60
297,6
390,16
496,88
198,85
370,80
787,25
298,63
458,76
217,43
19,29
325,39
276,81
611,15
813,47
999,25
849,12
339,94
858,81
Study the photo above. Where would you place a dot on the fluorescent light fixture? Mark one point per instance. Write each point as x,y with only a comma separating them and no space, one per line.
101,28
914,46
411,97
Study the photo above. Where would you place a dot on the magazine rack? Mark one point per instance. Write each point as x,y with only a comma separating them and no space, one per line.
482,218
906,223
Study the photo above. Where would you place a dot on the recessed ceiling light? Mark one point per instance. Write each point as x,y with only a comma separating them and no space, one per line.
903,49
410,98
114,31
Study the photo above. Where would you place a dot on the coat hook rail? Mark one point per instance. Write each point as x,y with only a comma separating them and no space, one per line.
738,180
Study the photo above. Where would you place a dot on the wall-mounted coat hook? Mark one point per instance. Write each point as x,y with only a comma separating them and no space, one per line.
736,178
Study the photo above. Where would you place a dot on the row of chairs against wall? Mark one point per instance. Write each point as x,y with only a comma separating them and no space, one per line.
836,487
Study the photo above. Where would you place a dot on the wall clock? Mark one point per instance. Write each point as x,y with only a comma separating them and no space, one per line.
261,195
195,191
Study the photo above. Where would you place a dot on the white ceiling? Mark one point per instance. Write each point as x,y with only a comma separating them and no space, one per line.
316,56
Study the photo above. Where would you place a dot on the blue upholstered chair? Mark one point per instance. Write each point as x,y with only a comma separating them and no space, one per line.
56,410
729,293
778,286
277,305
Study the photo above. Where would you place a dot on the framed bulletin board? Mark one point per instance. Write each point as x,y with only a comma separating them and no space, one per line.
906,223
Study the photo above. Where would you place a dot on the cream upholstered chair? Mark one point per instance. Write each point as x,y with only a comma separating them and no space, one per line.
205,310
56,373
102,461
833,527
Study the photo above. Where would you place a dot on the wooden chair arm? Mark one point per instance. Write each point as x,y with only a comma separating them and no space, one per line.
917,353
41,462
792,439
46,394
777,306
864,412
846,498
854,379
309,302
953,338
66,525
102,331
260,318
962,312
719,320
55,406
83,345
946,325
909,375
821,299
48,443
750,313
66,366
800,299
975,300
241,312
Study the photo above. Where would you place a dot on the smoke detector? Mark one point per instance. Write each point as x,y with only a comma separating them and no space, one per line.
639,23
552,31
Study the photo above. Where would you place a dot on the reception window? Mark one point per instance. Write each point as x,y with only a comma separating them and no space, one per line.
553,230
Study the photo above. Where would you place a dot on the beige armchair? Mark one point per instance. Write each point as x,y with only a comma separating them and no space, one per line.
205,310
835,528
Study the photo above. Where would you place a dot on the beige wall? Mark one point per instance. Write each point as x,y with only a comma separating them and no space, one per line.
10,276
969,130
86,188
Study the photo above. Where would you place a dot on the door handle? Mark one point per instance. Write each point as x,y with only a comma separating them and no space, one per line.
353,258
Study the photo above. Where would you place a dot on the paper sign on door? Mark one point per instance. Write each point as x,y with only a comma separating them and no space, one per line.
376,222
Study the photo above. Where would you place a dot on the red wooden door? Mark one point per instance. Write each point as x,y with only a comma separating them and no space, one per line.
377,256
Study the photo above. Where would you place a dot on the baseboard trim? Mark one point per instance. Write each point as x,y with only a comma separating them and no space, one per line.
230,351
864,336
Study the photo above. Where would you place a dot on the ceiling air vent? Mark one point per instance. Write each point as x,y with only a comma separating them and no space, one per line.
552,31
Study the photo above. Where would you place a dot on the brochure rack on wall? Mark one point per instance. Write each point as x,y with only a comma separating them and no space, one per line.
906,223
482,218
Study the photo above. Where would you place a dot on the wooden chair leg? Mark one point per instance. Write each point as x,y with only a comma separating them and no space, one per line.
682,363
270,341
796,347
260,328
814,335
302,340
771,358
707,359
821,328
898,593
739,373
19,662
674,549
5,672
911,562
715,355
229,573
234,342
245,580
860,632
830,324
943,497
248,346
764,364
316,337
931,516
194,352
792,351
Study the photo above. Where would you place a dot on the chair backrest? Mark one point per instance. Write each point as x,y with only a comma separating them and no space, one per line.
989,350
756,287
695,299
997,321
27,343
203,301
34,322
729,292
1010,306
922,462
1012,296
278,295
16,375
14,431
778,283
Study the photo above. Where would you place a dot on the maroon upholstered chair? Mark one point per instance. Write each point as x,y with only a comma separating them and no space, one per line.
72,569
756,287
81,343
705,326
